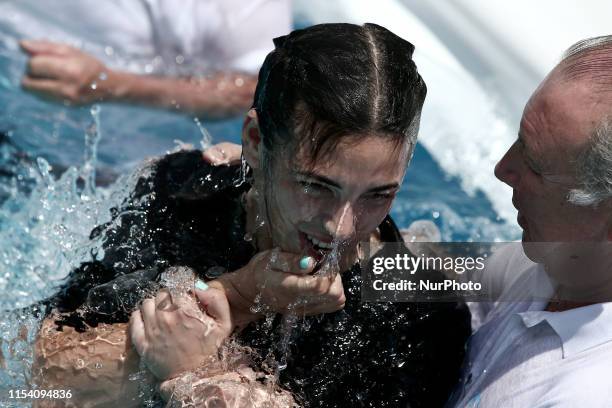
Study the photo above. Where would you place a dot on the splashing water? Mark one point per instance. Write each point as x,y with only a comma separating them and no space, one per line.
45,233
206,141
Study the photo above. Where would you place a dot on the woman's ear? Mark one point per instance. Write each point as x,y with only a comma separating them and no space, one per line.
251,139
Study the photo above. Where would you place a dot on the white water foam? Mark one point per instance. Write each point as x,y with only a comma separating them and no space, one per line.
463,127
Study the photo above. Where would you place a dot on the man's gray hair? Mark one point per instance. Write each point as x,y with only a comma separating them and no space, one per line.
594,168
592,58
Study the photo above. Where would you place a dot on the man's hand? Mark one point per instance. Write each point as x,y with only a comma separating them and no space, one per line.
173,335
62,72
223,153
276,281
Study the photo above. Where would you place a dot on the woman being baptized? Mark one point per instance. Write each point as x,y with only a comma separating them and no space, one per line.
208,263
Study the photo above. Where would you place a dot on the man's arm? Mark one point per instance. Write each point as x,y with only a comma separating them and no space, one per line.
96,366
59,71
218,96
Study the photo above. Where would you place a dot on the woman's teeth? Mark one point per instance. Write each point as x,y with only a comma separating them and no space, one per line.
318,243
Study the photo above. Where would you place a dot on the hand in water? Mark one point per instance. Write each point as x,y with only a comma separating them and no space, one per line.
223,153
62,72
180,333
275,280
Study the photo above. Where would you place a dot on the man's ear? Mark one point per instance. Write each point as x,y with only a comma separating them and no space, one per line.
251,139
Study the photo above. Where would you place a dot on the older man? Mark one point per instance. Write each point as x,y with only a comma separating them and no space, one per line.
556,352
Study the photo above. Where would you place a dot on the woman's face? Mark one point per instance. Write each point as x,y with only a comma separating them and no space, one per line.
337,202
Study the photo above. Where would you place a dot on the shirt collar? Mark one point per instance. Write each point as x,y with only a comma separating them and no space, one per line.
580,329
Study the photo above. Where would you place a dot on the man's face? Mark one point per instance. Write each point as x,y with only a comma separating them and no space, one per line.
337,201
555,127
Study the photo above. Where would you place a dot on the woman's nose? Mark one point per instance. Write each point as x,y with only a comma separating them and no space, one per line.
341,226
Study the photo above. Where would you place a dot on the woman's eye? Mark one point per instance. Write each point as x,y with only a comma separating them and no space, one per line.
312,188
381,196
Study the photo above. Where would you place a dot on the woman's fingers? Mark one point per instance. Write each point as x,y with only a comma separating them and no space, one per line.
290,263
322,294
172,334
137,332
215,304
164,301
147,309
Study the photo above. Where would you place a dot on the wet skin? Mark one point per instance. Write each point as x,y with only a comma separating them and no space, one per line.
556,125
339,200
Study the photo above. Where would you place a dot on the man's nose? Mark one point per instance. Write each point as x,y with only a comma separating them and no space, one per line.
342,223
508,169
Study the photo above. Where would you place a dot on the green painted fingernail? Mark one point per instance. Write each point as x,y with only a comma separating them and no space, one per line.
305,262
201,285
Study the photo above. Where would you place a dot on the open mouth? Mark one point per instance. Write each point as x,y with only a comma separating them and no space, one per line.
315,247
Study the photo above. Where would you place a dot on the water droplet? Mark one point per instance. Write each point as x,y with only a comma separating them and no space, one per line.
206,141
103,76
94,85
435,214
95,110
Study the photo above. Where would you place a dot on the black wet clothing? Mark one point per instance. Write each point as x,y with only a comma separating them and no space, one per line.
188,213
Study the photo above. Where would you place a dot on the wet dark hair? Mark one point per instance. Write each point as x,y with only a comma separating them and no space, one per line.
328,81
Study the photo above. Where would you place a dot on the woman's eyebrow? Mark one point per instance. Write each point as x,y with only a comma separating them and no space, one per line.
317,177
325,180
390,186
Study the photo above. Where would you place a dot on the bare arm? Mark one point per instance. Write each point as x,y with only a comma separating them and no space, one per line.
222,95
101,366
95,366
62,72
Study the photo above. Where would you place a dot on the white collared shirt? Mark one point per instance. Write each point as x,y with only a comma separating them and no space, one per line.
170,37
523,356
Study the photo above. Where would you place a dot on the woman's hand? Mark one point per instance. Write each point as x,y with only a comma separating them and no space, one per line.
223,153
281,282
63,72
180,333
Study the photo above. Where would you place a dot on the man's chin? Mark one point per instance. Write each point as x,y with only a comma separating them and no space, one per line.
526,237
533,251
